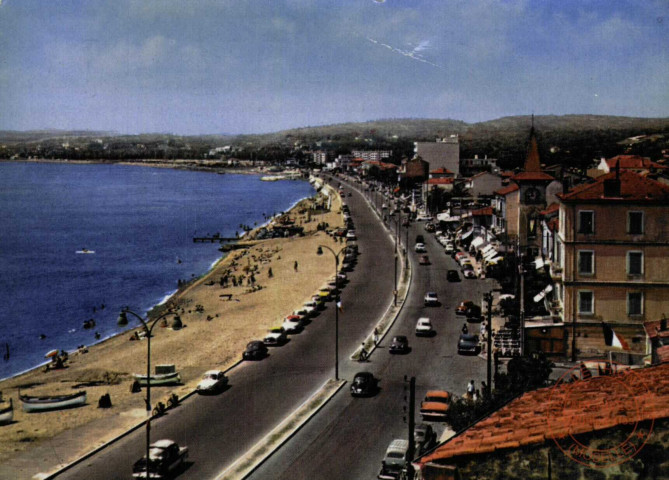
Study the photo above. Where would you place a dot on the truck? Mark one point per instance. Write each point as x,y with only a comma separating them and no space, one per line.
165,457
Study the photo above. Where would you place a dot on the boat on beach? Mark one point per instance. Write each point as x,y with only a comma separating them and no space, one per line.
7,414
52,402
85,251
160,379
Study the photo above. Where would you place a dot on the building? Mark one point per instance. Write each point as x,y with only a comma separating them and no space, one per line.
612,259
635,163
472,166
373,155
505,211
320,157
444,153
484,184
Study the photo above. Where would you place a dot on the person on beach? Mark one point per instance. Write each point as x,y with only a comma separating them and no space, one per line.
295,266
269,272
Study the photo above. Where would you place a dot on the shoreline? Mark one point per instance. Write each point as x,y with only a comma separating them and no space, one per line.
219,339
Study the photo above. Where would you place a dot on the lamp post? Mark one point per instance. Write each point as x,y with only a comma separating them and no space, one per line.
123,320
336,257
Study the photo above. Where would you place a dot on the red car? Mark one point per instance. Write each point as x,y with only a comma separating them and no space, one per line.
424,260
462,308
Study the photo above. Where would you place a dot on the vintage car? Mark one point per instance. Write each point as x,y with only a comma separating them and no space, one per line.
212,381
420,248
395,460
462,308
424,327
468,344
255,350
424,260
431,299
364,384
165,458
453,276
399,344
435,405
275,337
292,324
424,438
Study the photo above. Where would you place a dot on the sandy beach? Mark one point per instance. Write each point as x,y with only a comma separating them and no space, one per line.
216,330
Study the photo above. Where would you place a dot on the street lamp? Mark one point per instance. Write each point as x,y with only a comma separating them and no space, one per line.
123,320
336,257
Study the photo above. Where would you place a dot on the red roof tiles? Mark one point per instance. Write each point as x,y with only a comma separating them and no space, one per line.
569,408
439,181
633,162
507,190
532,177
633,188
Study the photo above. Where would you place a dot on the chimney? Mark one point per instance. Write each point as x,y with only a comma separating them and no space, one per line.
663,323
612,185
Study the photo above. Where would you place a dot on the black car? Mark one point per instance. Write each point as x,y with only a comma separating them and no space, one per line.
468,344
364,384
400,344
420,239
424,437
473,313
453,276
255,350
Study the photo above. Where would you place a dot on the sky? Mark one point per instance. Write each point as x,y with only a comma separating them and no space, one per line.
254,66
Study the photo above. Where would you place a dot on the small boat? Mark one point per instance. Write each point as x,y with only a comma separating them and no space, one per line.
85,251
159,379
52,402
7,414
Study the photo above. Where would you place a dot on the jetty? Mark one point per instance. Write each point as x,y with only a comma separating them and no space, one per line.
214,239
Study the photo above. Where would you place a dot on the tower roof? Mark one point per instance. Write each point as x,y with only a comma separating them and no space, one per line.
532,162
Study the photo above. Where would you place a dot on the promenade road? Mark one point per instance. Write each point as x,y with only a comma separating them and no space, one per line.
218,429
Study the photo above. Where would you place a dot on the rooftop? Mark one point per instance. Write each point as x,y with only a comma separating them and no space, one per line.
633,162
633,188
506,190
593,404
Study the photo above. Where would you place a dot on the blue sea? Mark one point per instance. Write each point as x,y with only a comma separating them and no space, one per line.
139,221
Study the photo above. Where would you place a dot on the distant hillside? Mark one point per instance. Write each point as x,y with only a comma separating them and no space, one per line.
569,139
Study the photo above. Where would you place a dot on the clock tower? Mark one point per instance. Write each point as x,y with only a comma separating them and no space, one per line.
532,200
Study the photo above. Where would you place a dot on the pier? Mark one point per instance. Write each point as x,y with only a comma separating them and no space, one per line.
214,239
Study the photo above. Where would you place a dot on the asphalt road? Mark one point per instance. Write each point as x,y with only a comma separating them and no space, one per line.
348,438
218,429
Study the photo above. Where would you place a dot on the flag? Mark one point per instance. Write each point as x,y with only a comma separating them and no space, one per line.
612,339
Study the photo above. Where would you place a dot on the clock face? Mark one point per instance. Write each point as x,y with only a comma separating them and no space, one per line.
532,195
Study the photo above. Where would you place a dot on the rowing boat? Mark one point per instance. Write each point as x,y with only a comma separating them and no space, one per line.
52,402
7,414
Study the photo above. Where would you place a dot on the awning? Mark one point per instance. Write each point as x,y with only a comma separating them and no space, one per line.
465,235
490,254
487,249
540,296
477,241
494,260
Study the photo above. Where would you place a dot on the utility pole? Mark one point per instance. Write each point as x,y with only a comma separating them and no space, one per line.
412,407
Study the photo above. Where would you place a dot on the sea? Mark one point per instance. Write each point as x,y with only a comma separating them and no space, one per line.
138,221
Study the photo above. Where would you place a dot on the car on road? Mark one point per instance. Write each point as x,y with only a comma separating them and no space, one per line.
275,337
468,271
309,308
449,247
255,350
435,405
424,260
453,276
468,344
420,248
424,327
395,460
429,227
420,239
424,438
462,308
431,299
350,235
292,324
165,458
212,381
399,344
364,384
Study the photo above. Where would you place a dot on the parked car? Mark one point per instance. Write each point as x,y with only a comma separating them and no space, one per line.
453,276
449,247
473,313
350,235
462,308
424,438
165,457
276,337
424,327
420,248
212,381
435,405
255,350
468,343
399,344
431,299
292,324
395,460
420,239
468,271
309,308
364,384
424,260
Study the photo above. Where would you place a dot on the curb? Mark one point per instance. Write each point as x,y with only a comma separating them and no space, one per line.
274,440
86,456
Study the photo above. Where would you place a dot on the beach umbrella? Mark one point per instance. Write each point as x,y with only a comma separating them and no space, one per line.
51,354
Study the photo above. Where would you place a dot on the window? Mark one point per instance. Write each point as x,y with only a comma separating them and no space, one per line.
635,223
635,303
586,302
635,263
586,221
586,262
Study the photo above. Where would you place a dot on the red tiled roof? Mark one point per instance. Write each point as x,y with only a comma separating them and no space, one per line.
594,404
554,224
653,329
552,208
633,188
482,212
439,181
507,190
442,171
532,176
506,174
632,161
663,354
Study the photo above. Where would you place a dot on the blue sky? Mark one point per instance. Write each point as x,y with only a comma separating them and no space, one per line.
236,66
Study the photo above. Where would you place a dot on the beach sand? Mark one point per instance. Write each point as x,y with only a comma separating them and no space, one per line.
214,337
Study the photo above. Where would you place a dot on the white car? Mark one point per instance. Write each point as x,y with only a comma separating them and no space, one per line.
423,217
292,324
424,327
431,299
420,248
212,381
449,247
351,235
309,307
